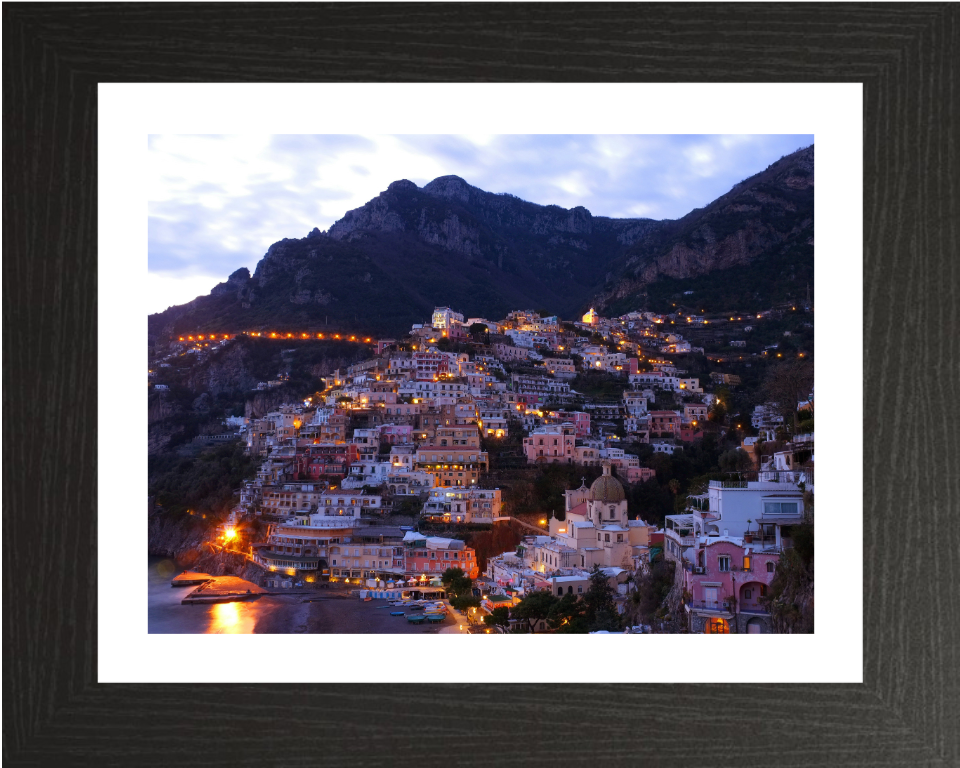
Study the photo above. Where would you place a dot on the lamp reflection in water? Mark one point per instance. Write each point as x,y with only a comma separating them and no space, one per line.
232,618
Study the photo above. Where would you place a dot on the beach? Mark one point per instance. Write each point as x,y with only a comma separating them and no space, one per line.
333,610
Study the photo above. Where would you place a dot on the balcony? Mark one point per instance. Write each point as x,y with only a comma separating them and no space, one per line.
684,538
728,483
718,607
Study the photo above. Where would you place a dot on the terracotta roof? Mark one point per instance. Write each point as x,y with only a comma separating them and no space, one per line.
580,509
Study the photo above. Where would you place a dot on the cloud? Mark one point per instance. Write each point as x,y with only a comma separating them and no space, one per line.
218,202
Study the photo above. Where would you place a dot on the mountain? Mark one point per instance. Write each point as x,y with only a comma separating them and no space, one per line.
749,249
387,264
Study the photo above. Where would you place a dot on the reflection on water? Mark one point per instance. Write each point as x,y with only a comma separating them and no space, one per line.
233,618
165,614
226,615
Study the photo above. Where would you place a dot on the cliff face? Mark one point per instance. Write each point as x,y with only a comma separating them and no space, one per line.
760,217
227,372
184,540
180,539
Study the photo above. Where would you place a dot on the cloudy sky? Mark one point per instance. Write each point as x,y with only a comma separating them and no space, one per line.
216,203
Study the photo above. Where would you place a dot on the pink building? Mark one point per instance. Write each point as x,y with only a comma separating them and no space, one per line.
430,556
727,580
638,474
664,421
553,444
579,419
430,364
396,434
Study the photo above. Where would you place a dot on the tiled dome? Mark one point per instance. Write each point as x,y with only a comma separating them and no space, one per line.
607,487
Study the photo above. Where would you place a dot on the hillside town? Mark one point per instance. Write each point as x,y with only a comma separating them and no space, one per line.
422,425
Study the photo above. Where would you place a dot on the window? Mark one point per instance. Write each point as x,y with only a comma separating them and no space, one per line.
580,589
723,562
780,508
746,563
770,568
606,537
763,590
747,594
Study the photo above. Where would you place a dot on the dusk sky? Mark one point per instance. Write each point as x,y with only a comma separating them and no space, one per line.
216,203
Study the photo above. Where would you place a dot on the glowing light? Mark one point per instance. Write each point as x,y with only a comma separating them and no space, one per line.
230,534
226,616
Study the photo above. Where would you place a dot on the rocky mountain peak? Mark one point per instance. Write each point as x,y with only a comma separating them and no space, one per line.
450,187
403,185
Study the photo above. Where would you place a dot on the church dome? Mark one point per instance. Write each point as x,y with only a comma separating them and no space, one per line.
607,487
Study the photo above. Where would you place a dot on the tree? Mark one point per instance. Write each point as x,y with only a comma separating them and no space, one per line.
568,615
534,607
465,602
651,589
478,329
498,617
457,582
601,610
718,411
736,460
790,597
786,384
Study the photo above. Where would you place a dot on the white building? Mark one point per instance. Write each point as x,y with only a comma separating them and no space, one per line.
444,317
766,417
736,508
464,505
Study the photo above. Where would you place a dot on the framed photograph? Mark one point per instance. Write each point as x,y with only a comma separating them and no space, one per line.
115,116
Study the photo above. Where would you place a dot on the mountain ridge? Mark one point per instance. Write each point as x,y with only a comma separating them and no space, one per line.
386,264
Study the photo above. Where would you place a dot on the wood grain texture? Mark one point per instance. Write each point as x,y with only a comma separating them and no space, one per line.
907,711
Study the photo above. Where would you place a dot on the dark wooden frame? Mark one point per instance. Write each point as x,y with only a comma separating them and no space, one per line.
907,57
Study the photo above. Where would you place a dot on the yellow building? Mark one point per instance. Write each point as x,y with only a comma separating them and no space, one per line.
590,318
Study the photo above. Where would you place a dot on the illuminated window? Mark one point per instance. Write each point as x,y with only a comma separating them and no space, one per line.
717,627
